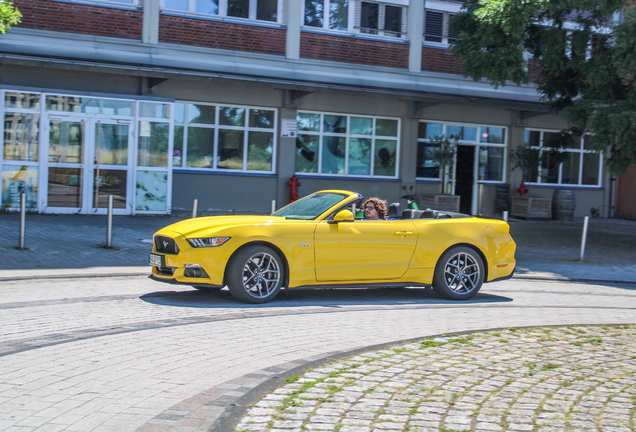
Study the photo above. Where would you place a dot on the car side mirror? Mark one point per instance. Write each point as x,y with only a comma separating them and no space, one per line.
342,216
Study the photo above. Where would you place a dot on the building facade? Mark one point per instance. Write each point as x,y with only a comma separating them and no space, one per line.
161,102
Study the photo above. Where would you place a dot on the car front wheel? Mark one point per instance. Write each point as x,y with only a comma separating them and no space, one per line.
255,274
459,274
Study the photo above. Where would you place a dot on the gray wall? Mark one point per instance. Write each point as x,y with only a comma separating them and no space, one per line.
223,194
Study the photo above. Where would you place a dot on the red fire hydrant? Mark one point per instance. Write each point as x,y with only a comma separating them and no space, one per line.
293,184
522,188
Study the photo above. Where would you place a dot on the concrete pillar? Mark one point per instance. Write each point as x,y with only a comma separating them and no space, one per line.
415,34
408,156
293,15
150,28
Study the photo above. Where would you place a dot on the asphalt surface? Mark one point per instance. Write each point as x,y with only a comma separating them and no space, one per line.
90,344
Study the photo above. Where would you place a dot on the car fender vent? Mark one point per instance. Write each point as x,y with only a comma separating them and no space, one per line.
166,245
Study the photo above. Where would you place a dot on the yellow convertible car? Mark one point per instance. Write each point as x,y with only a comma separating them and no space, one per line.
317,241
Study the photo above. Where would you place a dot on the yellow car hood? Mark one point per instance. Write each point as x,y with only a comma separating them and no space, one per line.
204,226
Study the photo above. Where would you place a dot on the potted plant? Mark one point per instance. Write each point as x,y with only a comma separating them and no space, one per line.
444,156
527,159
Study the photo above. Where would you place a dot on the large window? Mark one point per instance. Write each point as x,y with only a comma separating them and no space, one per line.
262,10
218,137
336,144
575,165
490,140
327,14
437,27
382,18
20,149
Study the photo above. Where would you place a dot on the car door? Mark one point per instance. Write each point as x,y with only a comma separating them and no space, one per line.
363,250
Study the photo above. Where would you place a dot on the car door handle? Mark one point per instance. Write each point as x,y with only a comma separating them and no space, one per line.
404,233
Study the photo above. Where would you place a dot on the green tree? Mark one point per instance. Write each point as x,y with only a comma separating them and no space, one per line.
9,15
587,62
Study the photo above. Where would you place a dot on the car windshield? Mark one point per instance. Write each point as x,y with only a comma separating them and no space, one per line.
311,206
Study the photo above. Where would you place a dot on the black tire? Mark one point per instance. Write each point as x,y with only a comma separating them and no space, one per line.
255,274
459,274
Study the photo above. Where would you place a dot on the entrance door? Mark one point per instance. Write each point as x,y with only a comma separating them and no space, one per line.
111,173
88,160
66,165
465,174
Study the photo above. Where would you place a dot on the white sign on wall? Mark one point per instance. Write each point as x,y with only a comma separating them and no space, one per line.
289,128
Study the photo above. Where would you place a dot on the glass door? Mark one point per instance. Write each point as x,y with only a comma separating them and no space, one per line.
66,169
110,166
88,160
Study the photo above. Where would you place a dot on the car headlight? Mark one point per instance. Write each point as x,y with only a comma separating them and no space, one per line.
207,241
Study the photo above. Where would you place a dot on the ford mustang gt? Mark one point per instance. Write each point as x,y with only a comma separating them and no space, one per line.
318,241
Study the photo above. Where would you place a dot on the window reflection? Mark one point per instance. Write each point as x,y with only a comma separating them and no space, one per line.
21,137
22,100
232,116
65,187
259,151
66,141
153,144
385,157
333,153
231,149
360,156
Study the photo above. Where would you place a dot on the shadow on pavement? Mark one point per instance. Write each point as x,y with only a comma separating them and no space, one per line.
303,297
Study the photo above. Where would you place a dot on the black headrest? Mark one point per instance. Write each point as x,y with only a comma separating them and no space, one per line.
395,211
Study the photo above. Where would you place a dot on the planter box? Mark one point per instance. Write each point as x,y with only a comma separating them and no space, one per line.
531,208
449,203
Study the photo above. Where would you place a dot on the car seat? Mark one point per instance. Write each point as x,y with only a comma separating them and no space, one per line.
394,211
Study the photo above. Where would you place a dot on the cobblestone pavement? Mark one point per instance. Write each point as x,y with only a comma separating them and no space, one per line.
126,354
535,379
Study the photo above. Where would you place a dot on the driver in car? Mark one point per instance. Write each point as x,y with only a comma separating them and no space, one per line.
374,209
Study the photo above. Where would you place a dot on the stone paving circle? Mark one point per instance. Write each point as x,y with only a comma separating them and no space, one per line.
577,378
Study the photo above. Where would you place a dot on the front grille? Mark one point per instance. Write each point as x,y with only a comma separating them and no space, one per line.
166,245
165,271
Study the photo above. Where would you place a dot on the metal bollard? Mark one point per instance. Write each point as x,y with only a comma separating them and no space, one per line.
583,240
195,206
22,219
273,206
505,216
109,229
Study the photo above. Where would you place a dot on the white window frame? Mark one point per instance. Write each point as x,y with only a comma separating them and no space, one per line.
246,129
325,19
348,135
445,28
18,164
382,19
474,143
223,11
581,151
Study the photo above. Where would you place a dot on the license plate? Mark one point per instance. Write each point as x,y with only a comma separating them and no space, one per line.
155,260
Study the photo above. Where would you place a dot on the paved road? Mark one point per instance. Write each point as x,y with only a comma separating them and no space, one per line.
129,354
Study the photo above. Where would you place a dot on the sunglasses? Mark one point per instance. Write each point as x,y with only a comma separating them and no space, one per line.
369,208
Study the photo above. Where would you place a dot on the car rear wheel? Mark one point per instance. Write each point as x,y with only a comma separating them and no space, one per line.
255,274
459,274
